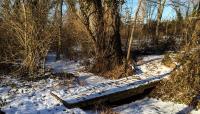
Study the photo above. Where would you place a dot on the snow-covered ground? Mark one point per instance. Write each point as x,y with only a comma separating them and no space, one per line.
148,73
154,106
23,97
31,97
72,67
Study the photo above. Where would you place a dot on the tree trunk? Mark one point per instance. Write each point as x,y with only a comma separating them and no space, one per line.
60,2
108,42
161,4
102,21
131,37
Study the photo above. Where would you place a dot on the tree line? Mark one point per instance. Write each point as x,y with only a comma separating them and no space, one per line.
30,28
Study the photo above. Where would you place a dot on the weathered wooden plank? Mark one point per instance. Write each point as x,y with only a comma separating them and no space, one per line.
109,98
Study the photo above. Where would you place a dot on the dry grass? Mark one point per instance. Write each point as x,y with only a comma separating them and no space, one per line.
118,72
184,84
28,34
76,42
167,61
108,111
102,109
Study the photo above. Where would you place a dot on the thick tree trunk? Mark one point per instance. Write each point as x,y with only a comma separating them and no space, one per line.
108,42
102,21
108,54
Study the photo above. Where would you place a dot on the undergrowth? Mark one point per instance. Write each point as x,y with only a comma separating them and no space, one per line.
103,109
183,86
118,72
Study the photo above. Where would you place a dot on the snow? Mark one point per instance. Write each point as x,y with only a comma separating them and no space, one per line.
74,67
152,57
150,72
153,106
32,98
23,97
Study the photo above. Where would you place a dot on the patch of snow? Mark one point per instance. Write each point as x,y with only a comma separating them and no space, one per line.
150,72
23,97
72,67
153,106
33,98
152,57
62,65
90,79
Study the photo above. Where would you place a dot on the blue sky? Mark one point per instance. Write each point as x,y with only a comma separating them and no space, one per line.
168,12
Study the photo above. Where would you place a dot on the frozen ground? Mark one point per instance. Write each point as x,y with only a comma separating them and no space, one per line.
31,97
154,106
22,97
149,72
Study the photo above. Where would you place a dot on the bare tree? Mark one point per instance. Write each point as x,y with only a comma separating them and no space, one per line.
59,14
150,9
102,20
132,32
30,30
177,7
161,4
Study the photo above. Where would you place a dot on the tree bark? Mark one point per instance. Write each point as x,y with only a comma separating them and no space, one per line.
161,4
102,21
108,42
60,2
